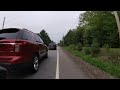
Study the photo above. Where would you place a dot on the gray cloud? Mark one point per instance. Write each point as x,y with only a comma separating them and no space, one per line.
56,23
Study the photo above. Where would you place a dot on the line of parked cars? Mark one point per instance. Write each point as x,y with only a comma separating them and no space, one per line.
21,48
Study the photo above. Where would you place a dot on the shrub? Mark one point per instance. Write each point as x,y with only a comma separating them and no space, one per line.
106,46
114,57
87,50
95,48
79,47
72,46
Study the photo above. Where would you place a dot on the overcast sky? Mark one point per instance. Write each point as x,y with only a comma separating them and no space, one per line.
55,23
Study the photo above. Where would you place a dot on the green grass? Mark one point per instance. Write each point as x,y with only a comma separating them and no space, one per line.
111,49
108,67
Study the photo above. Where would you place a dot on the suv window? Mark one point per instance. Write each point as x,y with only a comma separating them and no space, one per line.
37,38
40,39
20,35
27,36
10,33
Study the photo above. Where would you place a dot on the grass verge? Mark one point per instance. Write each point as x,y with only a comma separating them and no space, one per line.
108,67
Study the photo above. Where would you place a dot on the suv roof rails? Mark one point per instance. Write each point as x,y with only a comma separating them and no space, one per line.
9,28
27,30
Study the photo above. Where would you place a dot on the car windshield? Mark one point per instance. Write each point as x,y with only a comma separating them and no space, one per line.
8,33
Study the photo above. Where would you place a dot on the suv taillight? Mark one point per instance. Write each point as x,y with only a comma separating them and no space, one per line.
18,45
15,47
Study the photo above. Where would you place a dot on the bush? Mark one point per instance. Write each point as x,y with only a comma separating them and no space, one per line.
73,47
106,46
95,48
87,50
114,57
79,47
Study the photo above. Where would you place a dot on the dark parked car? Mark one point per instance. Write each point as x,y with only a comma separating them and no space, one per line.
21,47
52,46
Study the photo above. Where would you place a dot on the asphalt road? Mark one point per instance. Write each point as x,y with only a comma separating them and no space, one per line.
69,69
58,65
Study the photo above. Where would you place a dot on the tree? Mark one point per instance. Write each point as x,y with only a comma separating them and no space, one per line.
100,25
95,26
45,37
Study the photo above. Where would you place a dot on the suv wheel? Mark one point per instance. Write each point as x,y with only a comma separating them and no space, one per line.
46,56
35,64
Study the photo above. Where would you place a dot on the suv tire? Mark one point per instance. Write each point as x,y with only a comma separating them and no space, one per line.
46,56
35,64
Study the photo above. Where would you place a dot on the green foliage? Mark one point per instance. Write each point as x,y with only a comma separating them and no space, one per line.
45,37
79,47
73,47
99,25
95,47
69,38
106,46
76,46
87,50
114,57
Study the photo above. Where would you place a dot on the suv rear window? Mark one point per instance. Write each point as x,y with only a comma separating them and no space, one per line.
27,36
8,33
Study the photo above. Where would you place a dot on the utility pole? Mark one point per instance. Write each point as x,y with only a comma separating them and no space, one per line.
117,21
3,23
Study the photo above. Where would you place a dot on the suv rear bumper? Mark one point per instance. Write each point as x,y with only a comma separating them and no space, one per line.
52,48
11,67
13,62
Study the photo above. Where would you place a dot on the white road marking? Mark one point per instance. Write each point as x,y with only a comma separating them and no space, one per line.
57,66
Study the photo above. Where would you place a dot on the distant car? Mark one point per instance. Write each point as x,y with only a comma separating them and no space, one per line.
52,46
21,48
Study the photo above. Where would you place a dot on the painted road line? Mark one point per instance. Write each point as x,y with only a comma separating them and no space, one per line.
57,66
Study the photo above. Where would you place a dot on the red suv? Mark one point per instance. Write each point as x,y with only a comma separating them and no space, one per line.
21,47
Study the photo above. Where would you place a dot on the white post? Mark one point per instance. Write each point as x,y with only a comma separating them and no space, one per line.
117,21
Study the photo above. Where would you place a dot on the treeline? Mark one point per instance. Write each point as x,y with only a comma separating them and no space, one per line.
94,27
